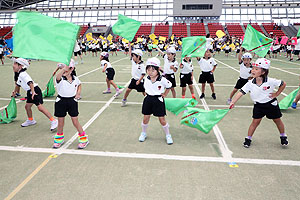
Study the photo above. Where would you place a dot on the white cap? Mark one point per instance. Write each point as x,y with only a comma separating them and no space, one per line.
153,62
262,63
247,55
22,61
104,54
137,52
171,50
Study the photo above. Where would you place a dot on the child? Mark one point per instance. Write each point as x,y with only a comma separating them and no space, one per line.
227,48
161,47
110,73
186,76
1,54
153,103
245,73
265,103
208,66
113,49
149,47
294,105
138,72
170,67
34,93
77,51
68,89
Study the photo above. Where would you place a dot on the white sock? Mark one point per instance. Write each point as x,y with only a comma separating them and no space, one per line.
144,127
166,129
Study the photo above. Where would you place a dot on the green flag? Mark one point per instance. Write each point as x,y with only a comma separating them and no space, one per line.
38,36
287,101
298,34
203,120
255,41
177,105
50,89
126,27
193,46
120,87
9,113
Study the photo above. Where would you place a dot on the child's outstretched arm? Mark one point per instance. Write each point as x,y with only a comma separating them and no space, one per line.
166,93
235,99
240,55
160,51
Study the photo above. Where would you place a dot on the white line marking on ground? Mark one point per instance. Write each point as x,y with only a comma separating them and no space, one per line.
151,156
285,71
226,153
286,61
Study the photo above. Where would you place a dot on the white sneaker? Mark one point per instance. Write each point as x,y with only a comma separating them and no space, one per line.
28,123
123,103
53,125
142,137
117,93
169,139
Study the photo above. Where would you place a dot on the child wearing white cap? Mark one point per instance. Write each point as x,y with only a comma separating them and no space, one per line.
34,93
170,67
156,87
245,72
138,72
110,73
262,93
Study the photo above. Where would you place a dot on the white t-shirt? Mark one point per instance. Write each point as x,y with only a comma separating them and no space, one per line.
261,94
158,87
207,65
77,47
187,67
245,72
209,43
24,79
297,46
137,70
168,64
67,89
103,62
289,47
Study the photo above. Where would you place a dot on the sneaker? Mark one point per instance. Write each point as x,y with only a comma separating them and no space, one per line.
23,99
214,96
169,139
284,140
83,141
142,137
18,94
54,124
247,142
229,101
291,59
202,96
28,123
81,62
106,92
123,103
298,59
294,105
58,141
117,93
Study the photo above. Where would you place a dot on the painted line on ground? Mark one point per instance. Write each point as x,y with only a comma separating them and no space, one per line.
292,73
286,61
226,153
151,156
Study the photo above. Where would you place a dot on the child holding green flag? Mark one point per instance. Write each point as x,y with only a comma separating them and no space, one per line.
68,89
265,103
156,87
34,93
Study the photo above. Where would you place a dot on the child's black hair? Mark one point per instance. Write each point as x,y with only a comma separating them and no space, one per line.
265,75
154,67
105,58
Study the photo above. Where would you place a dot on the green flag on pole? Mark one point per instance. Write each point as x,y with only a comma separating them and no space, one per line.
9,113
193,46
126,27
203,120
50,89
298,34
38,36
255,41
177,105
287,101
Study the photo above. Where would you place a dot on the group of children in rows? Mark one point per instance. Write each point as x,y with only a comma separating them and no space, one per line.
155,82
